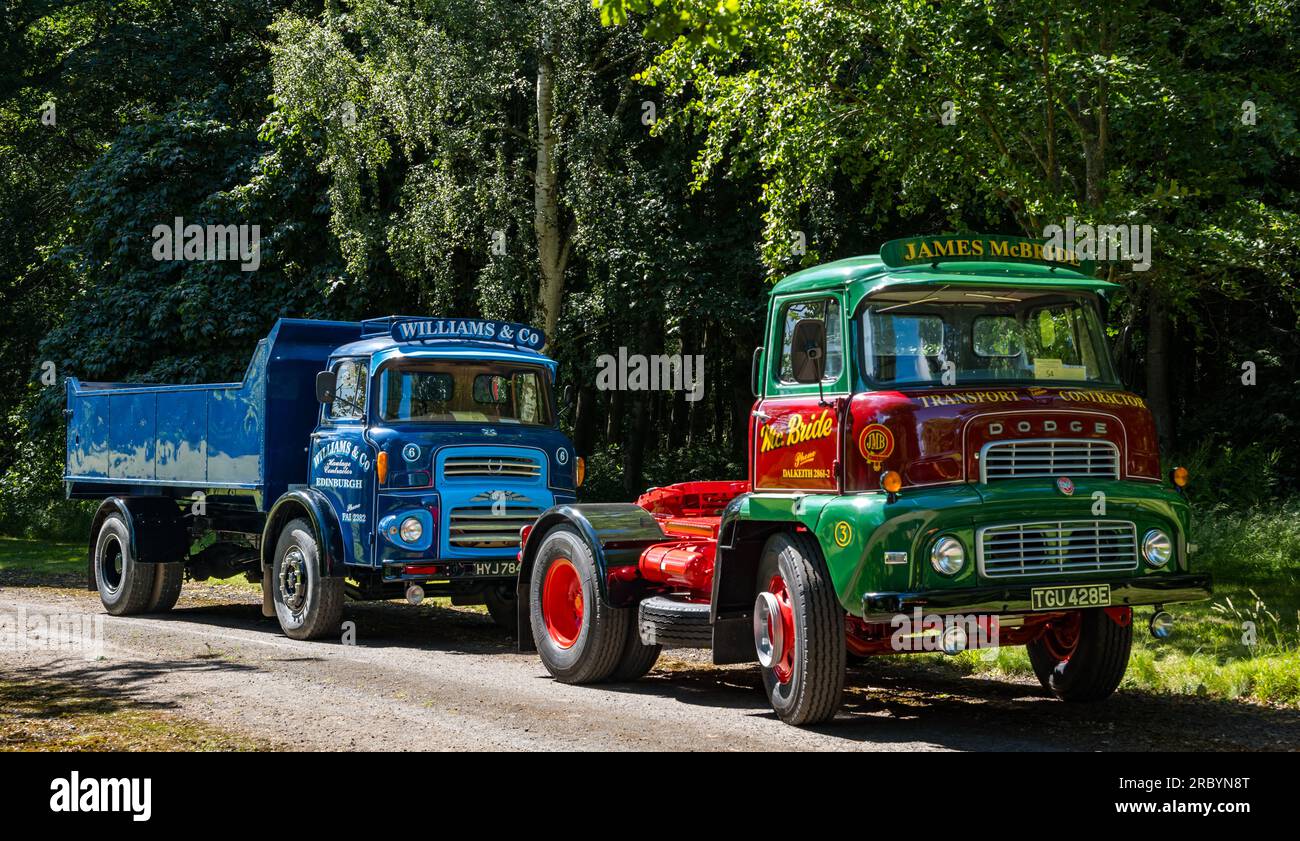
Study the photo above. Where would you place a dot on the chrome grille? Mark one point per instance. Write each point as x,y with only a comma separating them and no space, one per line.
1056,548
477,527
478,467
1048,457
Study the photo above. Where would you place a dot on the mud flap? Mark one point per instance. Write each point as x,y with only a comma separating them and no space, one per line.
268,601
733,640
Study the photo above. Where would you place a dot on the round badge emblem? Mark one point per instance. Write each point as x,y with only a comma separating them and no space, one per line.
876,443
562,456
843,534
1065,486
411,452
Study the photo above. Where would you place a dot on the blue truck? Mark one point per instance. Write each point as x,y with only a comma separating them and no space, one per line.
375,459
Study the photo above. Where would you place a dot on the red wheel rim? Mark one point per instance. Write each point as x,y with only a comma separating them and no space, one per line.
562,606
783,668
1062,636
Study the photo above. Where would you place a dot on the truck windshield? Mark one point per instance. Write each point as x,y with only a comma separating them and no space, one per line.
458,391
988,335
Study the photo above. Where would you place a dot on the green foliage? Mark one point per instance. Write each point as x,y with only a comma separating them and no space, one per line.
1232,477
689,463
158,111
31,488
873,120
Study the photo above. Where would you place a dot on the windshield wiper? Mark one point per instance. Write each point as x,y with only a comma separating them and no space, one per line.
932,297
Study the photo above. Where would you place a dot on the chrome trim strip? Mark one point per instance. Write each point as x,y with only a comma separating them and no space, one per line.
1096,561
1073,451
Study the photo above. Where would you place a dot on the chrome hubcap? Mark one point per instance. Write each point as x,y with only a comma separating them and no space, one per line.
293,586
769,630
110,564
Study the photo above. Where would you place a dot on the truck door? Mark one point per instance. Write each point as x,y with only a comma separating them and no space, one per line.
796,425
343,460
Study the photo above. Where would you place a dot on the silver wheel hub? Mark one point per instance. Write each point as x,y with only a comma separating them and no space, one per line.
293,583
111,564
769,632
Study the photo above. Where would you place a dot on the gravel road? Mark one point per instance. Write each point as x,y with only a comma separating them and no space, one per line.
433,678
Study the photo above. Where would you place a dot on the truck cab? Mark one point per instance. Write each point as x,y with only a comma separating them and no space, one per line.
942,457
429,443
436,442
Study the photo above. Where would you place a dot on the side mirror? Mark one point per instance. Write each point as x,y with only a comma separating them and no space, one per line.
325,381
808,350
756,372
1123,355
568,402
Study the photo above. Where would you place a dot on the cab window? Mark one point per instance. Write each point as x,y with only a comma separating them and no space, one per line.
349,390
430,390
826,310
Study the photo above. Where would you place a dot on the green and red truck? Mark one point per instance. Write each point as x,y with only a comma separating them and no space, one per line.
941,455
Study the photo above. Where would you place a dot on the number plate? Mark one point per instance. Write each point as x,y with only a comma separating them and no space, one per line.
495,568
1070,597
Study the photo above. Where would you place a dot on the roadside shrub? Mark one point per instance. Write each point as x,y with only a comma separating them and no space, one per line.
32,502
691,463
1259,548
1227,477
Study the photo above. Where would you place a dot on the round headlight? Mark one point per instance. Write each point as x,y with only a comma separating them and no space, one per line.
948,556
1157,548
411,530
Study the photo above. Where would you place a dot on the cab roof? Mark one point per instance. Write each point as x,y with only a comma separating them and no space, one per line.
868,273
378,342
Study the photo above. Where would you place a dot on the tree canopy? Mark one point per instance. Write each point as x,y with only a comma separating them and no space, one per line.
634,173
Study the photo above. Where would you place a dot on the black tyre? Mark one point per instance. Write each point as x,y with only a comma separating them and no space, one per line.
1083,657
579,638
804,683
503,607
637,658
673,623
125,585
166,587
308,604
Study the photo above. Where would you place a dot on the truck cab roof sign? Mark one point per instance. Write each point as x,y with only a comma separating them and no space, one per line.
984,248
468,330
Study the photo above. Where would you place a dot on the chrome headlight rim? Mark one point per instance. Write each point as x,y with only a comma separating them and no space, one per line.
1157,548
948,555
410,530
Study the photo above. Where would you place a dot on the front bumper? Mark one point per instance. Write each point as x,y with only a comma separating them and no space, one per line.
436,569
1015,598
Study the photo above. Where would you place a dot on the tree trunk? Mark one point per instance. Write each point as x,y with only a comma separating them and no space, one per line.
1157,369
699,410
552,242
635,447
614,421
742,401
584,425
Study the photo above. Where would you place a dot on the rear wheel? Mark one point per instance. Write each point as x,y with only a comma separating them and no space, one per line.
1083,655
579,638
637,658
799,631
125,585
166,588
308,604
